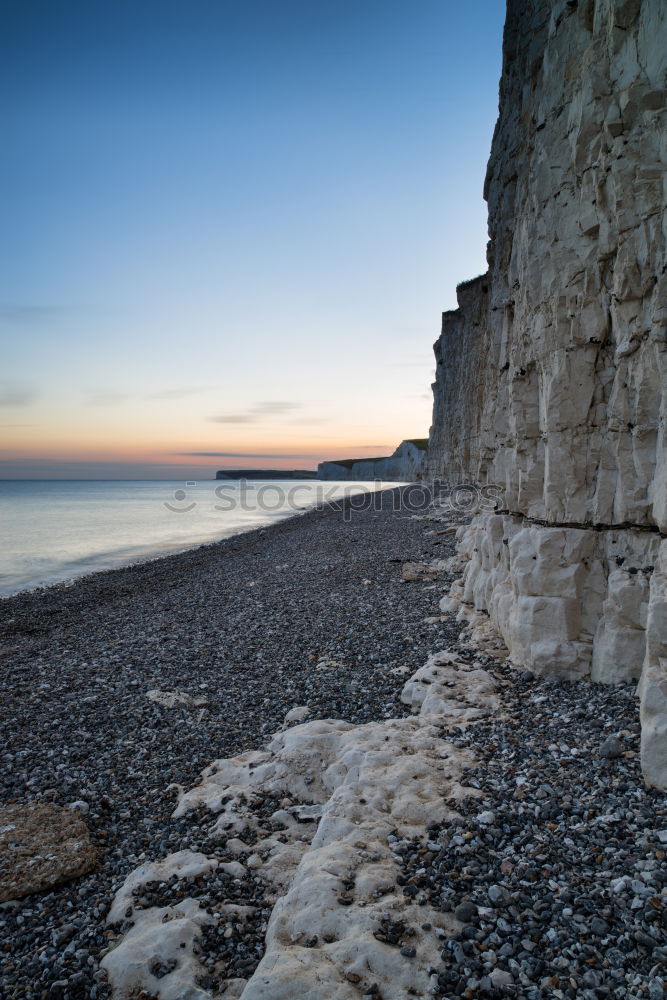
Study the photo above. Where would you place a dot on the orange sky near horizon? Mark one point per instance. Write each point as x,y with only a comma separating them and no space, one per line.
233,228
139,438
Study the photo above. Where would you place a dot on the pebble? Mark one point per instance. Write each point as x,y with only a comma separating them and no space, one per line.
612,748
79,730
552,867
564,877
486,818
466,912
499,896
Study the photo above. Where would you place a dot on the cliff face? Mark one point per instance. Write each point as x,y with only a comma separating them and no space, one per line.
552,374
404,466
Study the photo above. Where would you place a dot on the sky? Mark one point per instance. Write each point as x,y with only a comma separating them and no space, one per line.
230,226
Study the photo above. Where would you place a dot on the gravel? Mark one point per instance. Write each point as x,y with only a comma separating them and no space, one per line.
245,624
565,893
556,868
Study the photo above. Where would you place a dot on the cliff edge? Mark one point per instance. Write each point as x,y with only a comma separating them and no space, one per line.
405,465
552,373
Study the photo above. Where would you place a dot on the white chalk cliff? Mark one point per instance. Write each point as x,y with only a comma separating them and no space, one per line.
405,465
552,373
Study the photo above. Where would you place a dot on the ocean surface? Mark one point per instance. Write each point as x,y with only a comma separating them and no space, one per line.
57,530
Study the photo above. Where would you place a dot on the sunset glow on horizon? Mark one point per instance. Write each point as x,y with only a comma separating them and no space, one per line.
232,228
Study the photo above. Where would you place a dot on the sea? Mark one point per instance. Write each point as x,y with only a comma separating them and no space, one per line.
53,531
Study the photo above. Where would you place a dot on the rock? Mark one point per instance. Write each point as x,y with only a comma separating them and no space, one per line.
486,818
653,683
500,979
499,895
405,465
64,933
41,846
80,805
466,912
551,377
297,714
385,779
412,571
169,699
612,748
157,954
180,865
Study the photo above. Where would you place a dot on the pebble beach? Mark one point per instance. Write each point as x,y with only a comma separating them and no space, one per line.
120,689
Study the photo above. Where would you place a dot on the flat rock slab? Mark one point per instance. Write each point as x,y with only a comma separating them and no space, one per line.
41,846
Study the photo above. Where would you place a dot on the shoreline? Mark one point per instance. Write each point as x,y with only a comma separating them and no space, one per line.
158,551
243,623
311,622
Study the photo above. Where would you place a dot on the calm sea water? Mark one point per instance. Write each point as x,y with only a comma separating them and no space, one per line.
52,531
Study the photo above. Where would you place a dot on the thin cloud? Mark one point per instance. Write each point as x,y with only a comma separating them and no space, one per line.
274,408
43,314
268,408
301,421
15,394
175,393
239,454
234,418
107,397
18,312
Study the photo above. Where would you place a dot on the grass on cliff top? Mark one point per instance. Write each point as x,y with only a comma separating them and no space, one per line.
470,282
347,463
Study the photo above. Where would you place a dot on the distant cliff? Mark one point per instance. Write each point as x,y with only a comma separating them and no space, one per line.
404,466
552,373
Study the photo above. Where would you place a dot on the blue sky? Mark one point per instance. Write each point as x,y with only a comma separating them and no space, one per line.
232,226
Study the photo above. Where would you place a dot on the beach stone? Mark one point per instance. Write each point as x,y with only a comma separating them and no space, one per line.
169,699
486,818
41,846
466,912
612,748
412,571
297,714
499,979
499,896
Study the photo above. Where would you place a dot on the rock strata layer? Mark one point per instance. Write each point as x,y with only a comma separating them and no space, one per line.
552,373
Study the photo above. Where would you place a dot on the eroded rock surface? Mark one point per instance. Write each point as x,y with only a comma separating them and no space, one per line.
346,795
552,374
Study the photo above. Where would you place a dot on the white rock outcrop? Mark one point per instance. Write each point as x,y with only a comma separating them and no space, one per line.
404,466
551,377
347,796
653,684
